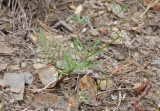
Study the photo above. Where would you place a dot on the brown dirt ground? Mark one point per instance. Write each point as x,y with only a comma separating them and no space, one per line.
19,19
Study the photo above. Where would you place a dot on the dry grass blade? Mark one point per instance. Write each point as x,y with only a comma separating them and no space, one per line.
120,67
46,27
151,4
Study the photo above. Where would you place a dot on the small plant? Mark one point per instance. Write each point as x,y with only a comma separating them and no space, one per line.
76,56
70,61
106,78
80,19
122,8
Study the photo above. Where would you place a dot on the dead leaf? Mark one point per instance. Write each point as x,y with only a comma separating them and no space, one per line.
33,38
73,7
137,29
88,85
136,16
78,10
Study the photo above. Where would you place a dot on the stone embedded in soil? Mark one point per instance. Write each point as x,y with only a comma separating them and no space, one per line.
88,85
23,65
16,83
94,32
58,102
47,75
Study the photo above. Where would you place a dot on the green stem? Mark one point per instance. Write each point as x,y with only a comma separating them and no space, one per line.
101,48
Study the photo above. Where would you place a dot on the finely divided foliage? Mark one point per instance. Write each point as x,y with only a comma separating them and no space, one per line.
72,62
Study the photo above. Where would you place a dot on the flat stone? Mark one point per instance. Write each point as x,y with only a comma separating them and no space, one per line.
16,83
47,75
58,102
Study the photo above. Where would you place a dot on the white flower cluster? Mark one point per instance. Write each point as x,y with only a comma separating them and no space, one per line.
124,39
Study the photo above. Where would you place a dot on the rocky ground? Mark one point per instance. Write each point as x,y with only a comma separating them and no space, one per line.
28,82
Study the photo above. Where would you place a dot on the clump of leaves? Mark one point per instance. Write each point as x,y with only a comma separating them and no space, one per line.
80,19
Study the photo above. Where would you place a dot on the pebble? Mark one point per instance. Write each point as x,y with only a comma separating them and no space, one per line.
94,32
23,65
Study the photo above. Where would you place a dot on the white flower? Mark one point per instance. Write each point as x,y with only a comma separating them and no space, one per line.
115,30
119,41
123,33
114,35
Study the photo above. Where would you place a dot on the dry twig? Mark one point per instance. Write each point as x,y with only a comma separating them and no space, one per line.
140,97
120,67
46,27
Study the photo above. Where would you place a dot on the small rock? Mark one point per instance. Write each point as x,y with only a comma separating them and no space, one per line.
94,32
16,82
47,75
60,103
23,65
28,78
